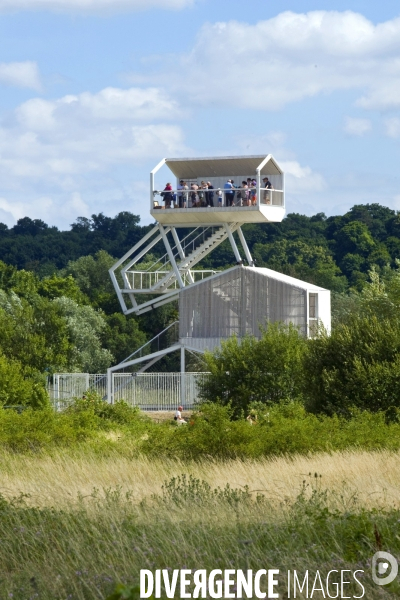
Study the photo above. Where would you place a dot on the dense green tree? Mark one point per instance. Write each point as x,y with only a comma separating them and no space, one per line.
122,336
267,370
85,327
357,366
18,390
56,286
299,259
34,333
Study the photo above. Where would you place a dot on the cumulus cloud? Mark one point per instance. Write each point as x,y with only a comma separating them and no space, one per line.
20,74
358,127
291,57
93,6
83,133
56,154
392,127
300,179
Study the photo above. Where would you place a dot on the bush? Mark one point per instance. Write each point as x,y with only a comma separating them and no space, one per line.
358,365
267,370
120,412
18,390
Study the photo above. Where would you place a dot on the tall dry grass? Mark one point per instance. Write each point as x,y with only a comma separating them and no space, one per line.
61,478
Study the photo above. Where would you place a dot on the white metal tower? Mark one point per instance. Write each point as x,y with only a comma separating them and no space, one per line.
209,214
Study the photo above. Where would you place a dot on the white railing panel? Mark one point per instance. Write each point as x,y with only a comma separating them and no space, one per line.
148,391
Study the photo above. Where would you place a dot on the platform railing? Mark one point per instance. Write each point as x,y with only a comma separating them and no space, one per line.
217,198
144,280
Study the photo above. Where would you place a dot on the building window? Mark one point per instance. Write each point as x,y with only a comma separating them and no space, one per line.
312,314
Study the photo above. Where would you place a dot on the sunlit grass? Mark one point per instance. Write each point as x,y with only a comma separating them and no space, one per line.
59,478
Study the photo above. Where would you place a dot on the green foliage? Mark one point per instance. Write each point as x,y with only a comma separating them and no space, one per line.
122,336
33,333
85,327
91,276
120,412
279,430
267,370
183,490
126,592
299,259
358,365
18,390
56,286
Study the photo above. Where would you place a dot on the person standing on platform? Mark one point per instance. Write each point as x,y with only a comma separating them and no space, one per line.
167,195
210,195
193,194
267,193
185,194
244,194
229,193
180,195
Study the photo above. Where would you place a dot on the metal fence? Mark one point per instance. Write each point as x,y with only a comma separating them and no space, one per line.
148,391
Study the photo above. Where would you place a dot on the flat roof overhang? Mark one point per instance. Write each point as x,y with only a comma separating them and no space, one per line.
223,166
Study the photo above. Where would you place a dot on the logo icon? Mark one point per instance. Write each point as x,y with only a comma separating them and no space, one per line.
384,568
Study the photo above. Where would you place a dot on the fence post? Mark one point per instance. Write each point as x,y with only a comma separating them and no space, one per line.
183,376
109,386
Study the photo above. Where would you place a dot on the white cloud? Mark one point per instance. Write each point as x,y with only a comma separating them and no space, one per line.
47,208
59,157
301,180
93,6
291,57
20,74
392,127
84,133
358,127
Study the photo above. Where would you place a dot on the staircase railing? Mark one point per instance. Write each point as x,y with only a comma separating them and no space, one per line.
156,343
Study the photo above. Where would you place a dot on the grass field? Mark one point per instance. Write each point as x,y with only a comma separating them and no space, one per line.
89,521
60,478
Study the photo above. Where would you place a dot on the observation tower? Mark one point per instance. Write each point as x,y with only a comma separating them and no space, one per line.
207,202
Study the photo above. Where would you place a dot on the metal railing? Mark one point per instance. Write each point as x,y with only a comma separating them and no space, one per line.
188,244
144,280
157,391
165,338
62,387
148,391
218,198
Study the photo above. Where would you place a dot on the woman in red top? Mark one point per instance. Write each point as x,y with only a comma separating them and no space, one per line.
167,195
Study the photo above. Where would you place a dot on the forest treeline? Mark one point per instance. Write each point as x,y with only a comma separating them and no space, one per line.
336,252
59,311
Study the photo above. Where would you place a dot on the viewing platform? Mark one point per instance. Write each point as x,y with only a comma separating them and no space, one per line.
204,191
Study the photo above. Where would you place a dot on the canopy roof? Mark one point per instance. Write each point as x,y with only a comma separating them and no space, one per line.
221,166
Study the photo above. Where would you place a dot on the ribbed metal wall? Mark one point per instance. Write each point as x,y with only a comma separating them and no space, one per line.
237,302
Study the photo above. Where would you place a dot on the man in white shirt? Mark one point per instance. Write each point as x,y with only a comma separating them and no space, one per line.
178,416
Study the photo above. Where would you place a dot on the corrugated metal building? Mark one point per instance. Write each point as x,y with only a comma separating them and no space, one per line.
242,300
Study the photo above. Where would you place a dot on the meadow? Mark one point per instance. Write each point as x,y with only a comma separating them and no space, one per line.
73,525
88,498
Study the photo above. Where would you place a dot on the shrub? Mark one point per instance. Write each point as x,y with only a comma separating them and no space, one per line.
18,390
120,412
267,370
357,366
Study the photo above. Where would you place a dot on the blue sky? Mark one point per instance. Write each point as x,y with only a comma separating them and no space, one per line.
93,93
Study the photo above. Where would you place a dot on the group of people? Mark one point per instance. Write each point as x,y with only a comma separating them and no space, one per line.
203,195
